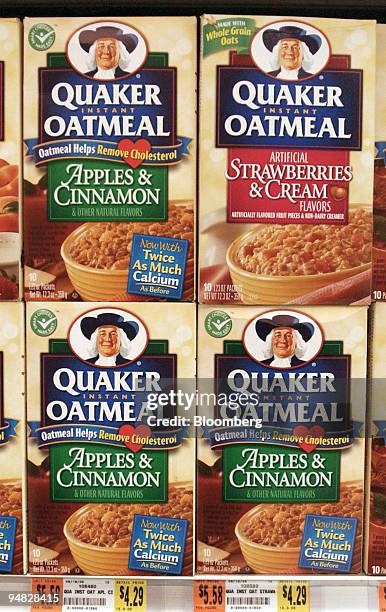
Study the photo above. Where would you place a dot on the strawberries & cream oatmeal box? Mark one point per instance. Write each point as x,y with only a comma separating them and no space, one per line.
286,150
375,545
12,437
109,128
280,462
110,461
379,249
10,158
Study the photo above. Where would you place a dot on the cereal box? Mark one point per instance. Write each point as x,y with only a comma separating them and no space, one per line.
109,124
10,158
110,464
12,438
280,462
379,250
375,543
286,150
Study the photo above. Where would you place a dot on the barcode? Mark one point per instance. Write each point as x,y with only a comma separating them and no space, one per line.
84,601
248,601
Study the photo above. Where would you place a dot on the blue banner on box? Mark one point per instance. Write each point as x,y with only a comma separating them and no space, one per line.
328,543
157,266
71,148
157,544
7,431
381,429
381,151
102,434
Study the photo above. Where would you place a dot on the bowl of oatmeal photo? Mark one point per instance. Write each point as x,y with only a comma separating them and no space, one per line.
97,255
99,535
274,264
270,535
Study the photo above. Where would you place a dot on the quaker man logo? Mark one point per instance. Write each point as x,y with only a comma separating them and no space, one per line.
290,50
108,338
283,339
107,50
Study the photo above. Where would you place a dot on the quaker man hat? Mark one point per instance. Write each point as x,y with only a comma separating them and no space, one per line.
88,37
88,325
265,326
271,37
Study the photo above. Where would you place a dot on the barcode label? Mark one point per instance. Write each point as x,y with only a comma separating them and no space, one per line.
248,601
96,595
85,601
251,596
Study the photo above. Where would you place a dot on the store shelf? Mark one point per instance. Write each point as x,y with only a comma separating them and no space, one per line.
356,594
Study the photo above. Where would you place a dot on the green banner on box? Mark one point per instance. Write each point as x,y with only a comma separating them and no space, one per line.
98,473
96,190
267,474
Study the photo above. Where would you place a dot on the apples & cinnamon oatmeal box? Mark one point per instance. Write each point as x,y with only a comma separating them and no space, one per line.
280,462
110,483
379,241
375,540
10,159
109,128
12,439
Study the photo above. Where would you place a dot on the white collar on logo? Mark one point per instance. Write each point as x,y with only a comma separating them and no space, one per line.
288,75
280,362
106,361
105,74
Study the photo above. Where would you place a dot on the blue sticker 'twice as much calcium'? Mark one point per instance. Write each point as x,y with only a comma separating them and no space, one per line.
7,542
328,543
157,266
157,544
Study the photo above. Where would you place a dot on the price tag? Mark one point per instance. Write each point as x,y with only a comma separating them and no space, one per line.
129,595
382,596
293,596
209,596
47,594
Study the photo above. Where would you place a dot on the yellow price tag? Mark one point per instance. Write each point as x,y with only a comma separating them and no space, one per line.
129,595
293,596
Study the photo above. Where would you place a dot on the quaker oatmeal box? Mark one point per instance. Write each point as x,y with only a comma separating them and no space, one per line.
110,465
286,150
379,246
280,462
12,432
109,166
375,543
10,158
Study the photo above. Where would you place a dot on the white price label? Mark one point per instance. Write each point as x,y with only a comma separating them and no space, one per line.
248,595
95,594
